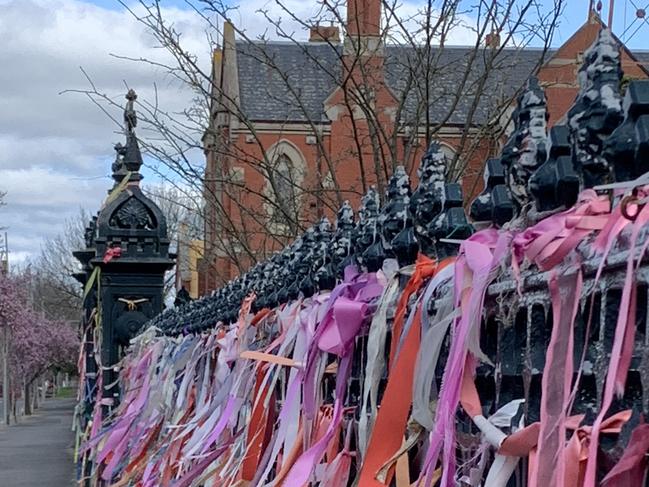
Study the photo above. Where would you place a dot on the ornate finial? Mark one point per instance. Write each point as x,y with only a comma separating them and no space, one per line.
627,149
342,239
366,235
525,150
494,204
290,269
322,268
300,276
597,110
399,184
130,117
89,232
433,164
275,278
119,170
345,216
428,199
264,289
451,223
555,183
128,158
394,215
182,297
369,206
396,218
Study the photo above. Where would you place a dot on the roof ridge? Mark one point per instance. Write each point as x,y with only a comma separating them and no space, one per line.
275,42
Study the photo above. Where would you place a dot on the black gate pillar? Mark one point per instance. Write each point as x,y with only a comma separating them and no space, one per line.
131,251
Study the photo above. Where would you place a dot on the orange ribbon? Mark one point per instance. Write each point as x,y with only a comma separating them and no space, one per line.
257,428
260,315
576,451
391,420
424,268
270,358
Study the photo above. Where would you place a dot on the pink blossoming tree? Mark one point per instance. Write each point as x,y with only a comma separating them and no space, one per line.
32,344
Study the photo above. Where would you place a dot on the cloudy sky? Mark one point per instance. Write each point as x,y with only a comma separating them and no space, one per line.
56,147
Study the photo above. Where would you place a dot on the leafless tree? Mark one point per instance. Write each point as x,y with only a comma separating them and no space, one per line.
3,195
426,103
54,291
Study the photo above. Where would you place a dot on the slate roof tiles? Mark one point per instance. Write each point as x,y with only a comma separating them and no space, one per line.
289,82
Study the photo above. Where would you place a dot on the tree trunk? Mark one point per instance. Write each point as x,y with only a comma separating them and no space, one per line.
6,396
57,382
13,401
35,393
27,400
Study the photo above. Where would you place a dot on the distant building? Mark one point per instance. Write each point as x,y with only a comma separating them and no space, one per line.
283,102
190,250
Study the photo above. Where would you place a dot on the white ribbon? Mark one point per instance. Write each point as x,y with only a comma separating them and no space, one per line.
427,358
503,466
375,363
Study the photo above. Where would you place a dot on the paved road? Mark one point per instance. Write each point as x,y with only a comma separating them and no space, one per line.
37,452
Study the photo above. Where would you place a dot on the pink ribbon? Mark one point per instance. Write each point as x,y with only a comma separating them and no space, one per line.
622,348
565,291
301,470
473,273
346,311
631,468
112,253
548,242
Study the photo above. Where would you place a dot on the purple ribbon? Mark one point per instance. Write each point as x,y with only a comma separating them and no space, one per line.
341,323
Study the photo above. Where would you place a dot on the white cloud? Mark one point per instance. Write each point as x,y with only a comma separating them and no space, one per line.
249,16
56,149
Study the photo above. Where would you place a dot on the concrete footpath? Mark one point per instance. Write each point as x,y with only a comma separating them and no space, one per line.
38,451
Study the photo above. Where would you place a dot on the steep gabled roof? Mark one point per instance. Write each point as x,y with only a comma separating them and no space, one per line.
289,82
286,81
405,74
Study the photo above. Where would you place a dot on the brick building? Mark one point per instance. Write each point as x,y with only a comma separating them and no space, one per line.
297,127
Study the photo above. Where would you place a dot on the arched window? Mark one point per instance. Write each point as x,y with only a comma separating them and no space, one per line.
284,186
285,177
448,151
449,156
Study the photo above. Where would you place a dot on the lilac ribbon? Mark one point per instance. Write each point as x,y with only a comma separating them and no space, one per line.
339,332
220,426
360,289
475,254
344,316
301,470
118,440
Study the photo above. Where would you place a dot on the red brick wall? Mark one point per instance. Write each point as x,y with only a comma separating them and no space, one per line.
344,157
559,74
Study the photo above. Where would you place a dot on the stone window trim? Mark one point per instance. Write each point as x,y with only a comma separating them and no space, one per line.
289,157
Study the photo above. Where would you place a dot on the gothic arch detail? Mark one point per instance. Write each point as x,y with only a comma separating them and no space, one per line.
284,181
448,150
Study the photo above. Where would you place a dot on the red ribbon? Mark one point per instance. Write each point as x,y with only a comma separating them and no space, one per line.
630,470
112,253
